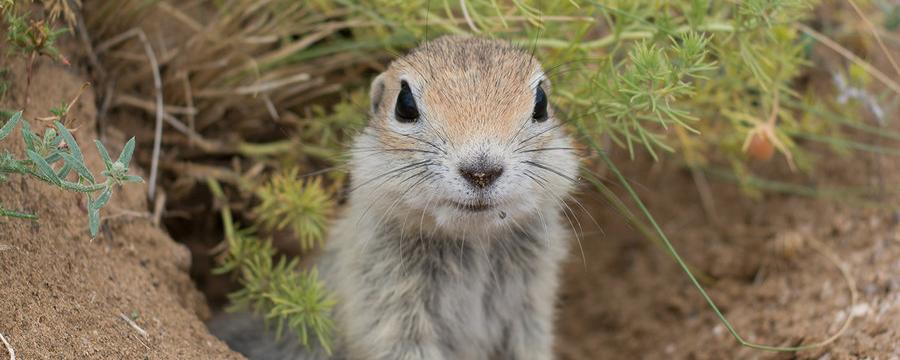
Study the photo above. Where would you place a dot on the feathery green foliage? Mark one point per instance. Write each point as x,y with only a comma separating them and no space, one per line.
55,158
31,37
282,293
288,201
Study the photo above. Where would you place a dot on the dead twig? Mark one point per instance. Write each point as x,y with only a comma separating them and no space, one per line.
9,349
848,278
831,44
171,109
189,100
255,88
158,208
85,38
874,32
108,92
157,84
134,325
193,136
5,247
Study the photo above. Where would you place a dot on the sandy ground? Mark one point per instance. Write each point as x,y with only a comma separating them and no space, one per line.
62,295
763,263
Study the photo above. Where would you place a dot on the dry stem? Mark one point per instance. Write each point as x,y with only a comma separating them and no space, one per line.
12,353
157,84
884,79
465,11
134,325
851,285
874,32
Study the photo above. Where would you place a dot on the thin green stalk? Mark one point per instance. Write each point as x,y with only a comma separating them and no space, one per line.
681,263
612,39
630,216
844,194
16,214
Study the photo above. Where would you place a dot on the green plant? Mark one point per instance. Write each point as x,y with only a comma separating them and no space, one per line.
277,289
32,38
55,158
303,205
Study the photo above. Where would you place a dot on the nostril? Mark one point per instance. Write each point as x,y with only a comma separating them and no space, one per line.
481,176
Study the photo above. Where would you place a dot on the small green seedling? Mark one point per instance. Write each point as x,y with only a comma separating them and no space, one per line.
31,38
55,158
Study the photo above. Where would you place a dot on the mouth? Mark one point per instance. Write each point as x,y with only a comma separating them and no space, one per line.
471,207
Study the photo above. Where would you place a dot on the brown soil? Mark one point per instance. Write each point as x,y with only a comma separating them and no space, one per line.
628,298
62,294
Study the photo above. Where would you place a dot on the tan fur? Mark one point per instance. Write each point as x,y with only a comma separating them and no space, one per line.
484,90
416,272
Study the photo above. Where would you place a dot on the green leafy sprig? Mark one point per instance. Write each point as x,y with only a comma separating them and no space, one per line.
55,158
288,201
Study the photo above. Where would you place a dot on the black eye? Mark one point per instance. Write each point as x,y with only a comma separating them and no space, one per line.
406,110
540,105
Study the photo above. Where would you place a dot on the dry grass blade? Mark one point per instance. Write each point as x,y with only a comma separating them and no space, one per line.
157,84
877,36
831,44
851,285
465,11
134,325
9,348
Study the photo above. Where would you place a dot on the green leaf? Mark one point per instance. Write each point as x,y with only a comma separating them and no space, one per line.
28,136
64,171
94,222
43,167
104,154
10,125
133,178
16,214
101,200
78,166
52,158
82,188
70,141
125,156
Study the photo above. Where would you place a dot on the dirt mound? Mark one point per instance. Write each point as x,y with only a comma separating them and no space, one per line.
63,295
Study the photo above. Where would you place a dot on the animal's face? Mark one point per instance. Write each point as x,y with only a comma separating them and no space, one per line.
462,133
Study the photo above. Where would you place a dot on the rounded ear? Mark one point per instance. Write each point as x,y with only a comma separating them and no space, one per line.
376,92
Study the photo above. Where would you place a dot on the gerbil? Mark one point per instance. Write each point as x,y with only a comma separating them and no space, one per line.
450,244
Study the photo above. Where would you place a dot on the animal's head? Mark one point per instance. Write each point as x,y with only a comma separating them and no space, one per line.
462,134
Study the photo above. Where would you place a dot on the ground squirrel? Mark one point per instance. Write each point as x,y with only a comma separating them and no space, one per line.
450,244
